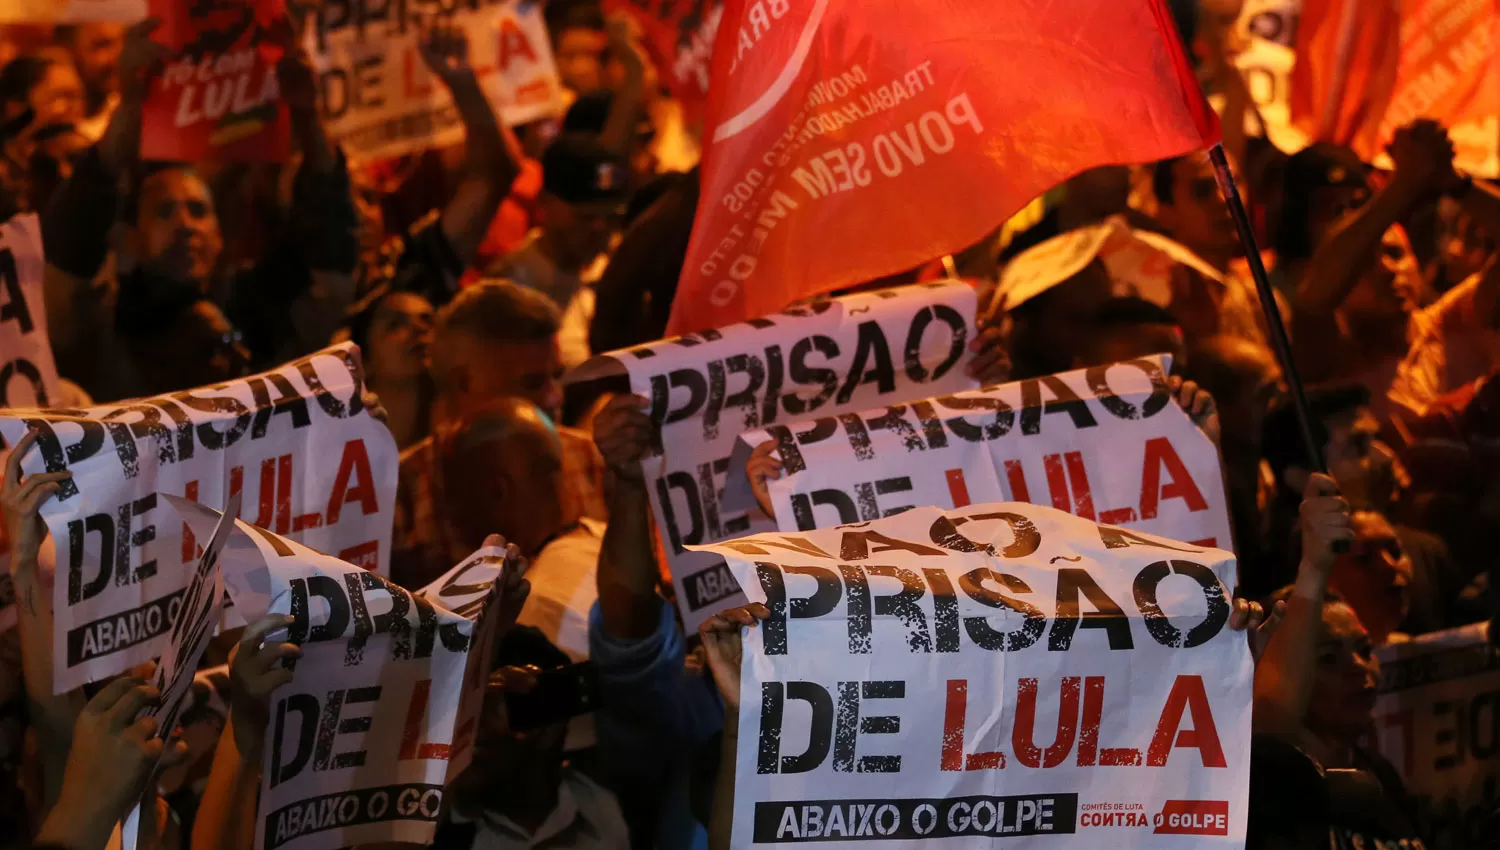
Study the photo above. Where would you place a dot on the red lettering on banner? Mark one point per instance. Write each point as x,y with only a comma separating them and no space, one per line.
355,463
1023,733
412,745
366,555
284,494
1187,694
1057,482
1159,453
1078,477
958,488
267,492
1088,735
189,542
513,45
1015,475
1193,817
954,720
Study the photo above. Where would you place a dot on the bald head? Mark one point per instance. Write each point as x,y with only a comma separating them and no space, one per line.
501,467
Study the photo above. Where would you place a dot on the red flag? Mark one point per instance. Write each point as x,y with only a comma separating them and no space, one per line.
1366,68
851,139
679,34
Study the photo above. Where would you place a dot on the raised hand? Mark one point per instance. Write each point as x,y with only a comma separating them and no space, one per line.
445,51
622,431
1199,405
1423,154
254,674
138,57
991,362
724,648
762,467
514,588
1327,524
298,80
110,760
21,501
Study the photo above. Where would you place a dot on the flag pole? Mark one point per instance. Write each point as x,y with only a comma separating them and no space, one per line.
1280,343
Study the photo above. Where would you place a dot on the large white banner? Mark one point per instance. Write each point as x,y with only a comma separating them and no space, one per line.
1438,720
1006,673
28,376
833,357
1107,443
383,704
378,98
297,442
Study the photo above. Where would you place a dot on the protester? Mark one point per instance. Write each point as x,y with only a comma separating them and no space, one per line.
495,340
472,278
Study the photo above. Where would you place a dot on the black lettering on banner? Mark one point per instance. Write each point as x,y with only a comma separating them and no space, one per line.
55,457
1098,380
333,724
944,532
914,336
792,461
796,821
452,590
803,375
855,546
1119,538
715,401
306,707
1064,401
1159,625
849,725
1067,618
761,545
775,369
860,609
803,504
218,406
149,426
78,529
332,406
684,483
26,369
773,585
287,401
124,629
15,308
894,419
965,430
981,632
416,801
932,426
882,373
708,586
773,697
944,609
719,399
905,605
328,589
276,543
661,395
859,438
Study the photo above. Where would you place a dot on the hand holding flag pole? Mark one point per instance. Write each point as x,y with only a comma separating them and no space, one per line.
1280,343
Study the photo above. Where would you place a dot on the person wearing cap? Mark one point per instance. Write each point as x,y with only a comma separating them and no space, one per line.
585,186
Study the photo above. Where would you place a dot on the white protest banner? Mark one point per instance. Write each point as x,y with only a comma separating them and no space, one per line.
378,98
1107,443
187,641
1001,673
28,376
297,441
1438,722
383,703
832,357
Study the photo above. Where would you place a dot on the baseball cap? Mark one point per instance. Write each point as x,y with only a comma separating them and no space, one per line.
580,170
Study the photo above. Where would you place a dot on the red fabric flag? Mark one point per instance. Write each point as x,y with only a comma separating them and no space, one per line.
1365,68
217,99
851,139
679,35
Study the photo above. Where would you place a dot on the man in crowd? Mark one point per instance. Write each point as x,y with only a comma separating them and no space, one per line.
494,340
95,48
584,189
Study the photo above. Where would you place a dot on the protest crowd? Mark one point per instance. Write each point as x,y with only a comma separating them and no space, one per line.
573,370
